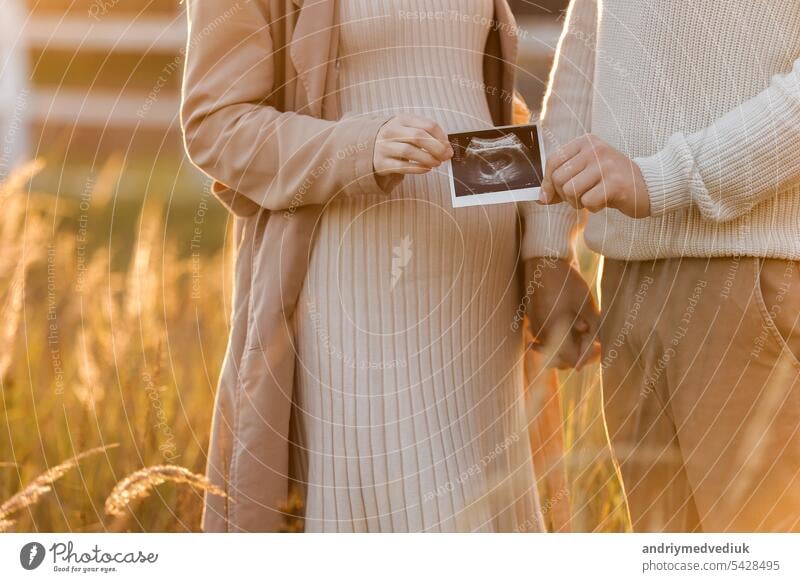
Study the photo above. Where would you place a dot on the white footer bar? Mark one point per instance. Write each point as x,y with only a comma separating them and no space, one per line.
406,557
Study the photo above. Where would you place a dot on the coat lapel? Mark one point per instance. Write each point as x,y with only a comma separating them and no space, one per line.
310,49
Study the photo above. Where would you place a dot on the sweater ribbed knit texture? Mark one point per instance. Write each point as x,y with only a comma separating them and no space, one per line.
705,96
410,380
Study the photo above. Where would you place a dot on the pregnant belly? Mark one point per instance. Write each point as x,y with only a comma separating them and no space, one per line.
392,262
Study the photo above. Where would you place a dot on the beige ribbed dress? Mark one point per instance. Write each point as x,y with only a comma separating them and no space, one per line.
410,378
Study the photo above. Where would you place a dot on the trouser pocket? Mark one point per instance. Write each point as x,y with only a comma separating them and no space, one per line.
777,292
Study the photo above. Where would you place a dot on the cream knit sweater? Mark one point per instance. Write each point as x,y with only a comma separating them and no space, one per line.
705,96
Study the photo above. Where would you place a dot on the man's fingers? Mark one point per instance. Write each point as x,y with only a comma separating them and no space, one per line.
569,169
559,346
561,356
563,155
581,346
562,166
590,352
596,198
549,194
578,185
564,175
590,314
572,350
584,343
567,352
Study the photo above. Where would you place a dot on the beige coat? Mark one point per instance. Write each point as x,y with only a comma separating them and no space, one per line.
260,118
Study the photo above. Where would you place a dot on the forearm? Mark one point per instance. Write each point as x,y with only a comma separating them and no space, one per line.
275,159
566,109
749,155
281,160
566,114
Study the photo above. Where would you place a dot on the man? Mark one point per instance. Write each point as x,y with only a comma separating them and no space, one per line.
676,124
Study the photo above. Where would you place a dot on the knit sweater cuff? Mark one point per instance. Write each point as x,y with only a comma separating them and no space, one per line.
667,177
548,231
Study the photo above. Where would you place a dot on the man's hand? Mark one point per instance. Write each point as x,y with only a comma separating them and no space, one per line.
562,313
589,173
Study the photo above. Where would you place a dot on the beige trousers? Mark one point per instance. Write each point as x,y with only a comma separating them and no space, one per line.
702,393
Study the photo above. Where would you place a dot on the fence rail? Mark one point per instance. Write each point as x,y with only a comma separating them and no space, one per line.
166,35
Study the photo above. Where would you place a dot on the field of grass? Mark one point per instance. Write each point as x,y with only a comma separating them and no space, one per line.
113,324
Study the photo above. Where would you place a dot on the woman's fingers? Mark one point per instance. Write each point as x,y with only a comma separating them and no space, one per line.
422,139
408,144
425,124
398,166
423,133
407,151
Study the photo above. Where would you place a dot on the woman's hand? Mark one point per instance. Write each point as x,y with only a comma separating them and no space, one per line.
408,144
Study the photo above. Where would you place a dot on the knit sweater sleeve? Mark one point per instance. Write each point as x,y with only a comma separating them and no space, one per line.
550,230
750,154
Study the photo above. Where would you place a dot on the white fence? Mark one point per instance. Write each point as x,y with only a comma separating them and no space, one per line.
121,107
106,107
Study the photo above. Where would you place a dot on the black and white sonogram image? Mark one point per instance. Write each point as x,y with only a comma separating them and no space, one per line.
493,166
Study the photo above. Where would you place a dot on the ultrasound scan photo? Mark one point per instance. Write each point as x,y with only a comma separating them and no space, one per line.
496,165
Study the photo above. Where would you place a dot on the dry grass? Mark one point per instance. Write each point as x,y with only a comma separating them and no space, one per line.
43,484
140,484
120,341
103,341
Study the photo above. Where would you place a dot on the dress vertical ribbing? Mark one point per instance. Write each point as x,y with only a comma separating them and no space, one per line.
410,380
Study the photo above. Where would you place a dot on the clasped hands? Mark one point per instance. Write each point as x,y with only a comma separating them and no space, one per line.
586,173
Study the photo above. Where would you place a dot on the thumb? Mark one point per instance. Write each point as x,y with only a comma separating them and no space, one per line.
549,195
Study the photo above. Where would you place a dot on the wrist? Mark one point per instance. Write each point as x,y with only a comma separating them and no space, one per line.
666,175
549,231
388,182
544,268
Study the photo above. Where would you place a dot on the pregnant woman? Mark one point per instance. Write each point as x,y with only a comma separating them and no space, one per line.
410,373
365,305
